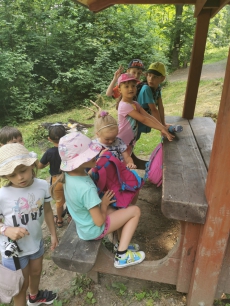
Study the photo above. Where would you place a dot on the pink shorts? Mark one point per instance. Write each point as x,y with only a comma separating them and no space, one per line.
107,225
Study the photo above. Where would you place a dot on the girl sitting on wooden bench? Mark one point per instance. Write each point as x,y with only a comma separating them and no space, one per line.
93,216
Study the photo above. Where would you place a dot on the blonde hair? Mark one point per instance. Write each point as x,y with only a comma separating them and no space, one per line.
104,120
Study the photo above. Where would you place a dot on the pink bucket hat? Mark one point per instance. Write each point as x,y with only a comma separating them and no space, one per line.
125,77
75,149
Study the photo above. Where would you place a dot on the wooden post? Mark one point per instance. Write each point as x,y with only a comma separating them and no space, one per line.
196,63
213,241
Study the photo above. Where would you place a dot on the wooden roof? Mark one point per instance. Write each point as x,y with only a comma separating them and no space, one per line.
214,5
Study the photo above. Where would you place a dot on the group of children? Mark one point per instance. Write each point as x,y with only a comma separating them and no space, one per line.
25,200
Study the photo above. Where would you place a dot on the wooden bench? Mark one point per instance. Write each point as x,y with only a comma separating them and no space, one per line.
186,161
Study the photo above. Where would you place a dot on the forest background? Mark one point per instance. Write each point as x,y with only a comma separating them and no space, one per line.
56,55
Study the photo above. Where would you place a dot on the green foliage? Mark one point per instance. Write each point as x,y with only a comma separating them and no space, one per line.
120,288
215,55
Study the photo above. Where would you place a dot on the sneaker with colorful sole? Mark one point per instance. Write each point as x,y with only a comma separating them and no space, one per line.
130,259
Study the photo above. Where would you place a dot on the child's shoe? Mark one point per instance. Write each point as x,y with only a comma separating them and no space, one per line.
129,259
134,247
43,297
175,129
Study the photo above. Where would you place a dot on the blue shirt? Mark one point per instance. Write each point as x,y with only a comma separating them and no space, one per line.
81,195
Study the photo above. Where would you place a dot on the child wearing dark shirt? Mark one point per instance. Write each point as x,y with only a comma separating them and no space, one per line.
52,158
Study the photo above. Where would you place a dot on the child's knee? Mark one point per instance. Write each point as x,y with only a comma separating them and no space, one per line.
137,211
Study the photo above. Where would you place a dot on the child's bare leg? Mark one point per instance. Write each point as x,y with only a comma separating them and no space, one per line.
59,213
20,299
127,218
35,266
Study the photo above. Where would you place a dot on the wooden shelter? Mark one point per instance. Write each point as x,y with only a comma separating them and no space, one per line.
209,274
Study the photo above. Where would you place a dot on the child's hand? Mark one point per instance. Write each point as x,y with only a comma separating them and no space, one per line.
54,242
15,233
165,133
131,166
106,199
103,151
118,73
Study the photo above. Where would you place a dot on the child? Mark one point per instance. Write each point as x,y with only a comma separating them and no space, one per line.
52,158
93,216
135,68
9,134
106,129
130,112
24,204
149,96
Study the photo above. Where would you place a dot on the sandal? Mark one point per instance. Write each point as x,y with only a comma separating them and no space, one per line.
69,218
58,223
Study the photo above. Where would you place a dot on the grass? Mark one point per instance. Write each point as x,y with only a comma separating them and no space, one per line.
215,54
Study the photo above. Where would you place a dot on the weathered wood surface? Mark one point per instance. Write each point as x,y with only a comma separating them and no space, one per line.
204,129
184,175
75,254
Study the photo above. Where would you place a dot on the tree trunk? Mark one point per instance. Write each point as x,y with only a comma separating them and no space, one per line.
177,33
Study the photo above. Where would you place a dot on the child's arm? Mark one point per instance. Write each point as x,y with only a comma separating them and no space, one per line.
128,160
161,111
150,121
109,91
155,112
99,213
49,218
41,166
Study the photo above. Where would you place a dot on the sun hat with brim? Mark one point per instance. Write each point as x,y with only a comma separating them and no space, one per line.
13,155
76,149
125,77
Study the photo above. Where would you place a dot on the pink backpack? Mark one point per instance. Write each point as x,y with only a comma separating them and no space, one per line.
110,173
154,167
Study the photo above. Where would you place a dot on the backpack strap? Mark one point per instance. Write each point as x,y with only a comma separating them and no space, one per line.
118,166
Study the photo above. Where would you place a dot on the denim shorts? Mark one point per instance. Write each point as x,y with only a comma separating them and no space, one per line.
24,260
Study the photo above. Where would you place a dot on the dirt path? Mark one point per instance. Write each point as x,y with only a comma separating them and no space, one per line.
209,72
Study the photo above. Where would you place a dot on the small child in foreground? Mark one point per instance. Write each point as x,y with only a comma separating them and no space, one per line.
24,204
94,217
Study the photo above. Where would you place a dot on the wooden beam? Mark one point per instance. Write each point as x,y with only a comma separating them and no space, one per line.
212,244
222,4
199,6
98,5
196,63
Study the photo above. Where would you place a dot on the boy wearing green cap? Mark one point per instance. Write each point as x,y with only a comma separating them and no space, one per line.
149,96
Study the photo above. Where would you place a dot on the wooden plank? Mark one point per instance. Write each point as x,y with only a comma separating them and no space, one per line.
204,129
213,241
99,5
221,5
196,64
163,270
184,176
188,254
199,6
74,254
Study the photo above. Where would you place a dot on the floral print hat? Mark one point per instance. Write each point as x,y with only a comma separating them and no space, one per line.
75,149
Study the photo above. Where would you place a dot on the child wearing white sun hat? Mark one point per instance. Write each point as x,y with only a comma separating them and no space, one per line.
94,217
24,203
